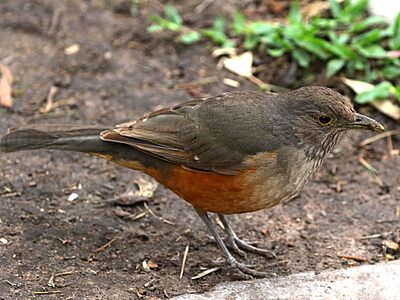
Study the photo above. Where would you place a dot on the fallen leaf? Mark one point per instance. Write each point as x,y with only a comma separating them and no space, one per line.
314,8
147,187
389,257
224,51
389,12
357,85
390,245
119,212
6,80
152,264
386,107
146,266
130,198
240,64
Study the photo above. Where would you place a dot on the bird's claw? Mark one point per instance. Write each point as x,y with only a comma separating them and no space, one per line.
243,246
248,269
233,246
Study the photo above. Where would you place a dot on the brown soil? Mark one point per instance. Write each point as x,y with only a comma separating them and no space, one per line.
120,73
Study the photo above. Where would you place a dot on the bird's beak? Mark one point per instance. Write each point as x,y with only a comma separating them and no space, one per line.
364,122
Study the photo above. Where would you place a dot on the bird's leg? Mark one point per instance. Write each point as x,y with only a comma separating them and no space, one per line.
242,245
230,238
228,256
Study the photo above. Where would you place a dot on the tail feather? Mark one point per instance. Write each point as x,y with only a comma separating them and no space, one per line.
73,138
77,138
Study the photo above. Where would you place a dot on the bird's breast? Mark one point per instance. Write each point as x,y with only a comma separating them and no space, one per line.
280,177
264,181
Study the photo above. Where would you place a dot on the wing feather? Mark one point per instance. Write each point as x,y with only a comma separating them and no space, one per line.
194,134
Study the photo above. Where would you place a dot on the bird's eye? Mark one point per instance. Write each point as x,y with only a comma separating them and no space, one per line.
325,120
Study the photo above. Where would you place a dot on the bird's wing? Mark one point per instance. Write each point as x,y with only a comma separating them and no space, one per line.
201,134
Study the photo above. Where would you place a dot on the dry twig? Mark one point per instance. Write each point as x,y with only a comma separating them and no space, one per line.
353,257
106,245
205,273
379,137
50,100
185,254
372,236
47,292
370,169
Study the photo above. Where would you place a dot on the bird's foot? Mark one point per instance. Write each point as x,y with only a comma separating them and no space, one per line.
240,246
231,243
244,246
247,269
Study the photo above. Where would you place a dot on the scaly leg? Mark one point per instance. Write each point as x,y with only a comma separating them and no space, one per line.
237,243
228,256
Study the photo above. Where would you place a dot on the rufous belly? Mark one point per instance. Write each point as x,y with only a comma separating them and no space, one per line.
211,192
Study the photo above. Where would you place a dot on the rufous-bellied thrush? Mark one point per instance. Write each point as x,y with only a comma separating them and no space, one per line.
233,153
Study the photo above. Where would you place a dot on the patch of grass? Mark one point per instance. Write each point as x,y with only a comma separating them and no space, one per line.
173,21
347,41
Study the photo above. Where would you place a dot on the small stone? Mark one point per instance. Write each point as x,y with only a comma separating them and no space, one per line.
73,197
73,49
231,82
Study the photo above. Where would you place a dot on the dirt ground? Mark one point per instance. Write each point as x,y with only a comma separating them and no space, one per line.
52,248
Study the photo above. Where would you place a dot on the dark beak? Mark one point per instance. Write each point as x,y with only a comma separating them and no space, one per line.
364,122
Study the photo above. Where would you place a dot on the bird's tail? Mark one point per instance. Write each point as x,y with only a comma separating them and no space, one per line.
71,138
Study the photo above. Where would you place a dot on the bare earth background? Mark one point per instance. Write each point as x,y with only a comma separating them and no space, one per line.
120,73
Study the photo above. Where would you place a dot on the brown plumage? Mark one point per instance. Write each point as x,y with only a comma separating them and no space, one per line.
233,153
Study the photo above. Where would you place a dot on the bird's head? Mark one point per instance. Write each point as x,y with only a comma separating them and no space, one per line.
321,116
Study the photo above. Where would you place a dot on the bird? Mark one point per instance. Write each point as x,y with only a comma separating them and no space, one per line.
234,153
